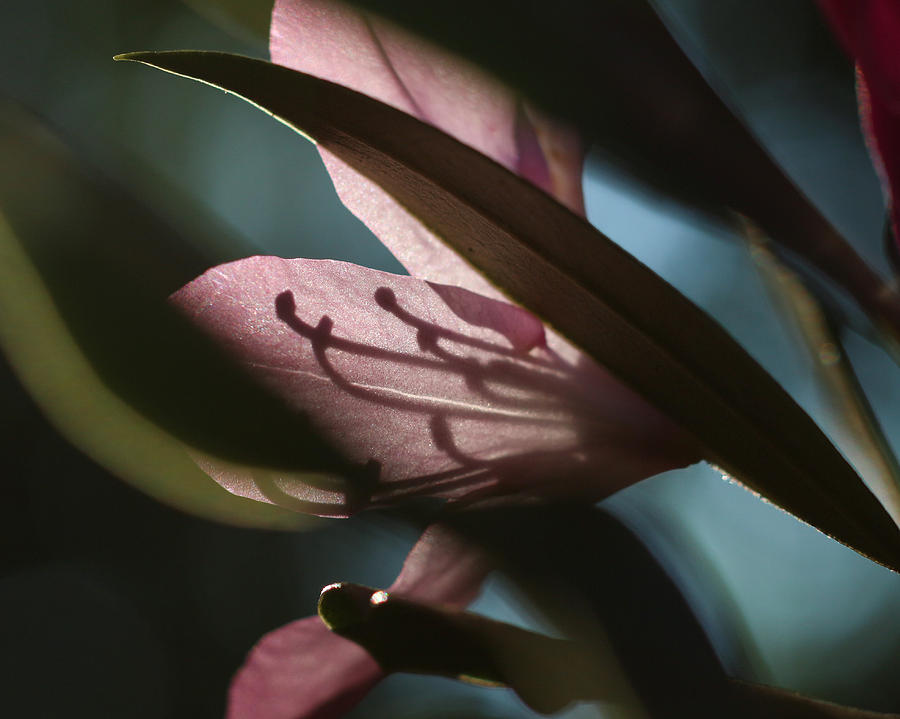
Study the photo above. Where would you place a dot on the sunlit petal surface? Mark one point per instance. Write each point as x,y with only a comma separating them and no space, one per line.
431,390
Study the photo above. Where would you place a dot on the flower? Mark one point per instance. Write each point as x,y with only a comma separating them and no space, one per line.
304,670
443,390
870,30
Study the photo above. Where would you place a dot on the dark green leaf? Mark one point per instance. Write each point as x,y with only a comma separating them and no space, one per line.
588,288
613,68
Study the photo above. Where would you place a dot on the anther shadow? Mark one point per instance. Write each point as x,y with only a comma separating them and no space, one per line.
534,389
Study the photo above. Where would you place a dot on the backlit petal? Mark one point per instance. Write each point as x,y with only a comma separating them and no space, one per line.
442,568
430,390
302,671
344,45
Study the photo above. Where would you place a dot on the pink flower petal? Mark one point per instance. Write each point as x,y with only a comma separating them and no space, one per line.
343,45
442,568
433,390
302,671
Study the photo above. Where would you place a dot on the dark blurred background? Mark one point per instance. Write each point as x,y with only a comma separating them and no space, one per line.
116,605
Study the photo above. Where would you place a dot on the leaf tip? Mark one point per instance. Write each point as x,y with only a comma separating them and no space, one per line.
129,56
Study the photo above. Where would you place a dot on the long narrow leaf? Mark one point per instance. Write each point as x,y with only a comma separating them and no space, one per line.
615,69
85,271
49,362
588,288
855,426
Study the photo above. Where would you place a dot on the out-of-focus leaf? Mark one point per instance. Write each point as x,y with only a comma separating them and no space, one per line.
86,274
653,658
594,581
49,362
547,673
613,68
588,573
248,18
891,246
856,427
586,287
765,702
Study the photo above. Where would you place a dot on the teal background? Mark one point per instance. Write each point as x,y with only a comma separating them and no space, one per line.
115,606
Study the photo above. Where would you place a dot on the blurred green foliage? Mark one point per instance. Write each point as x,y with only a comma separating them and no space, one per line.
172,603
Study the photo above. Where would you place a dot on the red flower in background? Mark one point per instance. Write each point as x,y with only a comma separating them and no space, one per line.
870,32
